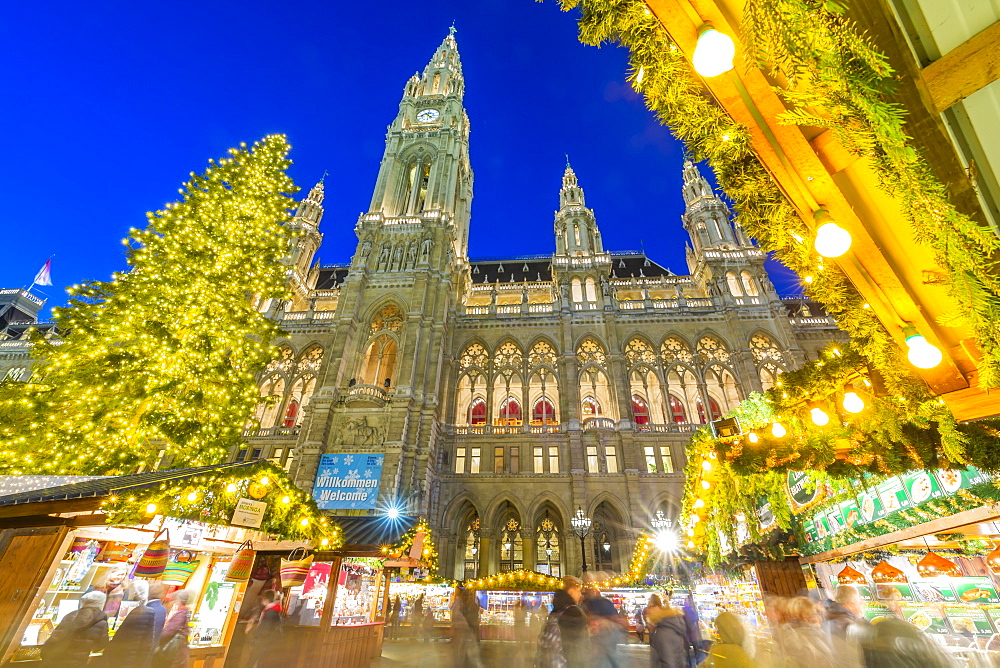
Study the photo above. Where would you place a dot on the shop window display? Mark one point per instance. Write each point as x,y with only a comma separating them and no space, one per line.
357,591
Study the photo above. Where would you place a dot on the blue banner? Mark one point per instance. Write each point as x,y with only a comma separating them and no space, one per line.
348,481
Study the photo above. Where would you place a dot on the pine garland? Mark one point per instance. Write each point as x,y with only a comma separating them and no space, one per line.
849,86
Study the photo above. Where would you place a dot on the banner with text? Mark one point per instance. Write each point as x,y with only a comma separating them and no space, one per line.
346,481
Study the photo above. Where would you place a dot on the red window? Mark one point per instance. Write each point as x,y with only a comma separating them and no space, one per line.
543,413
291,414
477,414
640,411
713,407
677,413
510,413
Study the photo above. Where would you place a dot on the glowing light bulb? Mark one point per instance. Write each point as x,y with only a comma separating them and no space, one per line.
231,487
707,465
691,544
778,430
706,484
853,403
832,240
819,417
392,513
921,354
753,437
714,52
192,497
286,499
325,542
699,503
265,480
151,509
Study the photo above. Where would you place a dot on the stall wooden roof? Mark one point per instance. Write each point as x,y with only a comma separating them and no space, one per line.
898,277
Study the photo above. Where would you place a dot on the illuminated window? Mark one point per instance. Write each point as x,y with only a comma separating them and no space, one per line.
539,459
637,351
291,414
675,350
515,459
650,454
592,462
459,460
472,548
510,413
511,548
611,458
498,460
668,462
553,459
543,412
713,407
640,411
474,460
677,413
591,408
547,548
474,355
477,412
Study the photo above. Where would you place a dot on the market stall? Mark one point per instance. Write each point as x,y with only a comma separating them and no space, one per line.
61,538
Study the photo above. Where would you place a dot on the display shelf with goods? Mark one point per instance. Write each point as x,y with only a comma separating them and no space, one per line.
358,589
741,596
437,598
498,606
959,612
213,620
628,600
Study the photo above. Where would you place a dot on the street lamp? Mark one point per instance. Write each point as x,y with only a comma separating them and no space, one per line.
666,539
581,527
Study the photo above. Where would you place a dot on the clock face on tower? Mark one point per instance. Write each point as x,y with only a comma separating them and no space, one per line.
428,115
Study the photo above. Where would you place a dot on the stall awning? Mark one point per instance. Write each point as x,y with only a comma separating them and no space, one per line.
38,489
373,531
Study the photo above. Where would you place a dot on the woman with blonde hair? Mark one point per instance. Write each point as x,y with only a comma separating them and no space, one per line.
172,652
806,645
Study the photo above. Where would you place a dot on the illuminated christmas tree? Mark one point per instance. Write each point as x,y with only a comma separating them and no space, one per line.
163,357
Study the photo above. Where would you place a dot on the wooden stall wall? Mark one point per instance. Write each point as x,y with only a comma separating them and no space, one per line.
780,578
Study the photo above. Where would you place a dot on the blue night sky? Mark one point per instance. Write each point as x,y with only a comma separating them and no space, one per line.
111,104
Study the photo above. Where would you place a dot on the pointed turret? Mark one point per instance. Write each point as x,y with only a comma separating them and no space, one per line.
571,192
310,210
575,225
442,75
706,216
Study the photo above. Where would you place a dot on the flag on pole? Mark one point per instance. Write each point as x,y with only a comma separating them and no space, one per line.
44,275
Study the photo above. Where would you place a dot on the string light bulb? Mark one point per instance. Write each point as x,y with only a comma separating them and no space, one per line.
192,497
231,488
151,509
819,417
707,465
714,52
853,403
831,240
778,430
753,437
921,353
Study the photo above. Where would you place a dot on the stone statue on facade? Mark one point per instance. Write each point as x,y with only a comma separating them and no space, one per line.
425,249
411,255
366,248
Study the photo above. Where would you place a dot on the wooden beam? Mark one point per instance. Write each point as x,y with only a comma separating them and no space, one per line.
967,68
940,525
51,507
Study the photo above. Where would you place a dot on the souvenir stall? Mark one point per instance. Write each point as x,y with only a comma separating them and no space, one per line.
62,538
437,599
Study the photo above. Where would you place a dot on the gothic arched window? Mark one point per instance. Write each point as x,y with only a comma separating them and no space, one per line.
389,318
510,413
472,548
640,411
590,352
547,548
542,353
768,375
734,284
511,546
637,350
291,414
713,408
591,408
764,349
749,285
508,354
477,412
379,365
711,349
677,413
543,413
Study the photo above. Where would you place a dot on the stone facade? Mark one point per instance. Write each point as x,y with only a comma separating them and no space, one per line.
505,393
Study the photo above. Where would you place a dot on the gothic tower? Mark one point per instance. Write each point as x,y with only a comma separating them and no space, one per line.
580,266
307,239
380,390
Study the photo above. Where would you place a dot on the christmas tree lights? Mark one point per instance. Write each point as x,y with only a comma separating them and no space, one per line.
160,360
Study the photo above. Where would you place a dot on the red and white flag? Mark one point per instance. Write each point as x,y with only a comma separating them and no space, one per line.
44,275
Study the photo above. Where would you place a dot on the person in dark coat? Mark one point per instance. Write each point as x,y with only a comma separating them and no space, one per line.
133,642
171,654
154,601
668,638
573,623
79,633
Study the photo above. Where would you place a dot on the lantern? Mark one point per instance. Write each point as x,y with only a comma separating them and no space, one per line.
935,566
849,576
886,573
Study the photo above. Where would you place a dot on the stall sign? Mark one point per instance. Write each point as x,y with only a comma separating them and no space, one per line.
936,590
967,619
921,486
764,513
803,490
346,481
249,513
875,611
884,592
975,590
927,618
